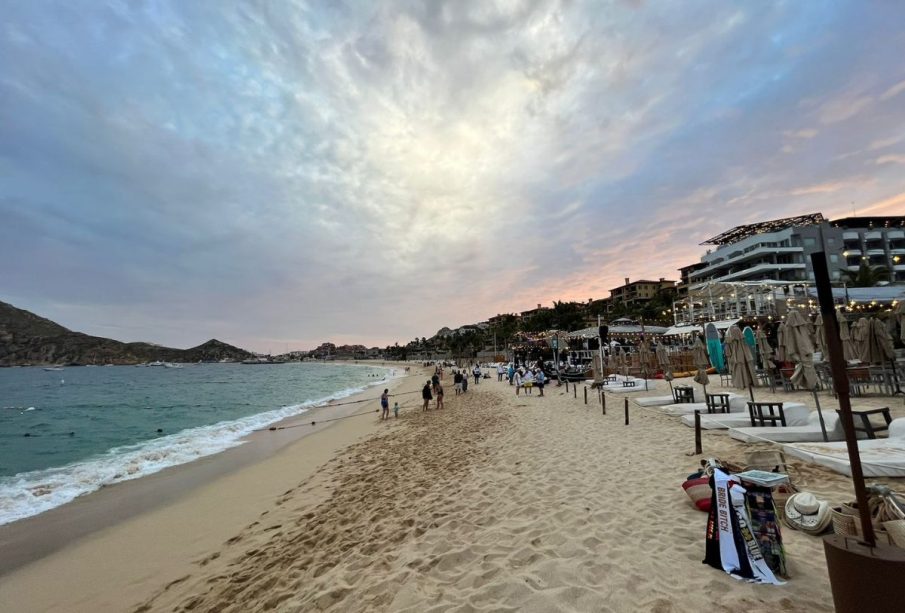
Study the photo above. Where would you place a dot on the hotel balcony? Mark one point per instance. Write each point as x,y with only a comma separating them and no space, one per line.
874,235
851,236
757,272
757,252
892,235
852,252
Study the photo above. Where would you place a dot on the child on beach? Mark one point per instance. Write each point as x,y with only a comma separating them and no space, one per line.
385,404
517,380
396,410
439,391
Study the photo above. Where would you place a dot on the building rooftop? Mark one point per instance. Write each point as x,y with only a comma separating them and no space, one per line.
889,221
741,232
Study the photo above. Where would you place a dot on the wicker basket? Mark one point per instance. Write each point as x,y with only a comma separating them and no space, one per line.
896,530
844,523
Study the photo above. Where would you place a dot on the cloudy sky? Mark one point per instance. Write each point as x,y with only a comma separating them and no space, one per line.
277,174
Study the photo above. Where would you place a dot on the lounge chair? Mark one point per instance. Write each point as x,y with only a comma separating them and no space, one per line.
619,387
654,401
795,412
736,404
810,432
880,457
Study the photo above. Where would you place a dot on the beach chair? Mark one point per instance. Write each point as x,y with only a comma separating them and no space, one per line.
880,457
766,413
737,404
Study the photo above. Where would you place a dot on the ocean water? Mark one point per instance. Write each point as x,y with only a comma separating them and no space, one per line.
70,432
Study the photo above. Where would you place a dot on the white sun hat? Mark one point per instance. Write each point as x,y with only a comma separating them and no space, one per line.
806,513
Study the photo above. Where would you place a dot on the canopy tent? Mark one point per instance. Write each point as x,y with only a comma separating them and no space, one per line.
681,329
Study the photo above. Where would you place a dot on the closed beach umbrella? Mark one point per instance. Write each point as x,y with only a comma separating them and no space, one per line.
799,345
665,363
845,337
878,348
741,362
764,349
766,354
820,335
701,362
860,332
900,315
781,342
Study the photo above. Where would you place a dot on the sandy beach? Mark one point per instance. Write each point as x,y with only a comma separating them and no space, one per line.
496,503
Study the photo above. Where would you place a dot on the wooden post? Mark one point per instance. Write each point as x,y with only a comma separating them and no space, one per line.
585,394
626,411
697,433
574,390
603,402
567,386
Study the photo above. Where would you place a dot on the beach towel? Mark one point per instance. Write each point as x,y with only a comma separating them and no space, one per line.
730,544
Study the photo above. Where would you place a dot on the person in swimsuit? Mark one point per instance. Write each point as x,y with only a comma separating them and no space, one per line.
385,404
439,391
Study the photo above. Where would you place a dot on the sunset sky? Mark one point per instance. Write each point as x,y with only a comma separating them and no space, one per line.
280,174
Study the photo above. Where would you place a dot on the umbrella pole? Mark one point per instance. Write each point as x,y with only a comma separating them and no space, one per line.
820,417
837,364
895,378
751,392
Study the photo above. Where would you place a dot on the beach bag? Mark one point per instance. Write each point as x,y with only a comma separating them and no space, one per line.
697,486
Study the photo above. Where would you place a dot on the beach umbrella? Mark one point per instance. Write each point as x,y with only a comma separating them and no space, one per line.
860,332
800,349
878,348
820,335
766,353
845,337
644,358
780,342
740,361
799,346
701,362
900,315
665,363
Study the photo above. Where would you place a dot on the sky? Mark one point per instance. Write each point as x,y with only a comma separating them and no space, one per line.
280,174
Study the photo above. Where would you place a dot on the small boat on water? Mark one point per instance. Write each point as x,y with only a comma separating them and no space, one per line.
54,368
156,363
171,365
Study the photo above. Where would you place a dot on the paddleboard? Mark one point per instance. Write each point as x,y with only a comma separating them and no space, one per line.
714,347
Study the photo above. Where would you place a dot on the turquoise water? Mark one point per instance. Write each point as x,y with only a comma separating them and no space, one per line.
66,433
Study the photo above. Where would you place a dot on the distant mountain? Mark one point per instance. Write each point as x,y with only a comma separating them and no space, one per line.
26,338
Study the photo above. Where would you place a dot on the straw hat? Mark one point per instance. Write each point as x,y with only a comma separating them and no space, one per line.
806,513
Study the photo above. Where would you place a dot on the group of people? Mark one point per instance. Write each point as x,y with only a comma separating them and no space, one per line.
524,377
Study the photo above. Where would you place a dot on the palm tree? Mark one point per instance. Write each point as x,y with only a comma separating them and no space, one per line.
867,275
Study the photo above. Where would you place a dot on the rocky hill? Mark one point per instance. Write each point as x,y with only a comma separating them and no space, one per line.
26,338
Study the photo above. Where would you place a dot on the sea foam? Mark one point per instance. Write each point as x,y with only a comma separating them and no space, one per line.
30,493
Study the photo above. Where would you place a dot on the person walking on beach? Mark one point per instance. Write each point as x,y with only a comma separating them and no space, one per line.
541,379
439,392
477,374
464,382
511,372
517,380
385,404
528,381
500,371
457,382
426,395
396,410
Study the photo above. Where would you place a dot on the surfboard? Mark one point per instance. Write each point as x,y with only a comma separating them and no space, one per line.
749,338
714,347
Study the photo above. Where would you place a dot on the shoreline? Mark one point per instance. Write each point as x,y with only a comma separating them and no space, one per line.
32,538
